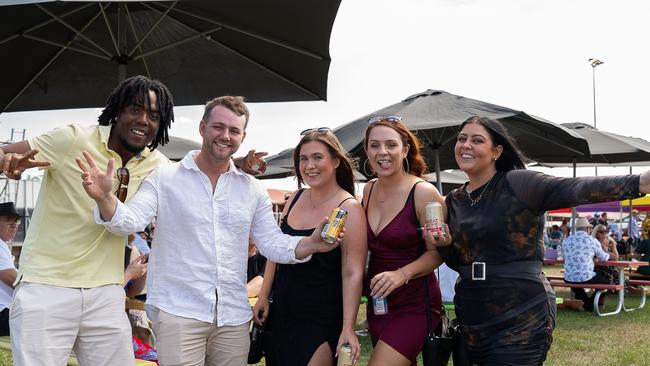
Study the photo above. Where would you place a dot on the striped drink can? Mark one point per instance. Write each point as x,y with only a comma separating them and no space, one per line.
435,218
334,226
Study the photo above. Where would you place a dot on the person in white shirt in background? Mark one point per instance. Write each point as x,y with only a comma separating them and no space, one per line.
205,210
9,221
580,250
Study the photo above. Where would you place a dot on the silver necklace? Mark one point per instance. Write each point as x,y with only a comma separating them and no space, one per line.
329,198
474,201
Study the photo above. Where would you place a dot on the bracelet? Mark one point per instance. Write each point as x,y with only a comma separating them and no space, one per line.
405,276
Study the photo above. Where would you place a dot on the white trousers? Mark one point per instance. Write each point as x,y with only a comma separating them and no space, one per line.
47,322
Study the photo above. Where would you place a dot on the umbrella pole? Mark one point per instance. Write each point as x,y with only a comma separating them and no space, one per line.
574,213
121,73
436,162
629,220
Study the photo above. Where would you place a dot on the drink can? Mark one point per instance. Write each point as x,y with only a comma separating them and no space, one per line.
435,218
334,226
380,305
345,356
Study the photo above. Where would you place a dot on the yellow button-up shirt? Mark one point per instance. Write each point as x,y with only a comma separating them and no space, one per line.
64,246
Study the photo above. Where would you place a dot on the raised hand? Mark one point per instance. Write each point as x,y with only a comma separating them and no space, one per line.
253,163
644,182
97,183
13,165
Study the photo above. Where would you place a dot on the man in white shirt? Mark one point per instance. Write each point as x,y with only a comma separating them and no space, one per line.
9,221
579,251
205,210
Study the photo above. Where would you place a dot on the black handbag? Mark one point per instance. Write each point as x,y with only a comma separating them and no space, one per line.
459,353
256,350
438,343
438,346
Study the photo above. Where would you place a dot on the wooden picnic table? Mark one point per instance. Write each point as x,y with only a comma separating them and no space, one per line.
621,266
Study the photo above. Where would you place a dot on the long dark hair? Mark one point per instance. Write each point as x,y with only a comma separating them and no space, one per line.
135,91
417,166
511,158
344,172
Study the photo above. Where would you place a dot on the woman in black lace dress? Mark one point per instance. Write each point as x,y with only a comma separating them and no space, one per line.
504,304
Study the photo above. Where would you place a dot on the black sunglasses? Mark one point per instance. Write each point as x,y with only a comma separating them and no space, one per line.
123,187
391,119
316,130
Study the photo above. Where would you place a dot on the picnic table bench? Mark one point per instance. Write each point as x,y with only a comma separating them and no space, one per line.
558,281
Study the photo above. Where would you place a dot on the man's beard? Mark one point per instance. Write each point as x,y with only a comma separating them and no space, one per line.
130,148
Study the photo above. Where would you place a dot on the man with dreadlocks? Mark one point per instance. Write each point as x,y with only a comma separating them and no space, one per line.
71,270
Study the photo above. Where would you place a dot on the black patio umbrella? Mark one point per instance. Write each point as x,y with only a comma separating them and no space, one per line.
436,117
607,149
178,147
71,54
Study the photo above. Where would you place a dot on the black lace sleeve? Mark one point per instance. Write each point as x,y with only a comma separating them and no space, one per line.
541,192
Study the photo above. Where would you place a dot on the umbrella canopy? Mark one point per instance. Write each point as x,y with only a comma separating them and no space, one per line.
71,54
606,148
436,116
178,147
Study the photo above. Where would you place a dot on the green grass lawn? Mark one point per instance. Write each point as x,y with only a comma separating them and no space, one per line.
580,338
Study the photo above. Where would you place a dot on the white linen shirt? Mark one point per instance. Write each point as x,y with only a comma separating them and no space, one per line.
579,251
6,262
201,240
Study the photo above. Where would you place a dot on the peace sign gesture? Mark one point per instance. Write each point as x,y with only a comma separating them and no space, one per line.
97,183
14,164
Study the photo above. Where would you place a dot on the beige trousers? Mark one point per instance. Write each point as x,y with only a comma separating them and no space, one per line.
47,322
190,342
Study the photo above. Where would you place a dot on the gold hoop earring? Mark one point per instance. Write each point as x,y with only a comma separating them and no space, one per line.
365,169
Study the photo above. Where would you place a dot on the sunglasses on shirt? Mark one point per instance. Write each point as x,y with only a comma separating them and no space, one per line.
123,186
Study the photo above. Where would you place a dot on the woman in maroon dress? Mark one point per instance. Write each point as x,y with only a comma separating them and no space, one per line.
400,267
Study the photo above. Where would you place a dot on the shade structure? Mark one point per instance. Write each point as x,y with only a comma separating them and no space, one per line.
606,149
612,206
178,147
72,54
436,116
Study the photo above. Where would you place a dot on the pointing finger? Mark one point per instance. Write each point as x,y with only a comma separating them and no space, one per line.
39,163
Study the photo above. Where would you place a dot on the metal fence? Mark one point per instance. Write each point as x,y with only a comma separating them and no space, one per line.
23,193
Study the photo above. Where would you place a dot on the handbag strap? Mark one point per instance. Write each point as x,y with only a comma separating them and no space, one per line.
428,309
427,299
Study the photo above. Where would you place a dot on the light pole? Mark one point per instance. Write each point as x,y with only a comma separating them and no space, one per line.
594,62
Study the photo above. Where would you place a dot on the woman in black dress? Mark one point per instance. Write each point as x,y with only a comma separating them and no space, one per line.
504,304
315,304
